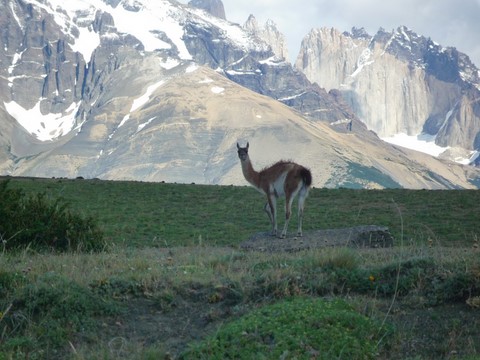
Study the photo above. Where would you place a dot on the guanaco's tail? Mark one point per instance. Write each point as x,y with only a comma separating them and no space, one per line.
306,176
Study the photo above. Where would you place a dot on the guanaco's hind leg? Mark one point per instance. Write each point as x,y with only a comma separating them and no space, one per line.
301,203
289,197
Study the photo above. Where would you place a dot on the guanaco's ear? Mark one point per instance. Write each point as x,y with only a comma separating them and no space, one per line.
247,144
238,146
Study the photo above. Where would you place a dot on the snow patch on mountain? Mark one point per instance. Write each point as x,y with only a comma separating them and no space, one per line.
363,61
86,44
153,16
88,40
426,144
142,100
142,126
169,63
205,81
44,127
422,142
232,31
217,89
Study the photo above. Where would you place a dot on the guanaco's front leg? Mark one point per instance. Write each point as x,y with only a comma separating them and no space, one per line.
270,209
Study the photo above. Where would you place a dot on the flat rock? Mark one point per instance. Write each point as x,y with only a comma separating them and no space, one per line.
366,236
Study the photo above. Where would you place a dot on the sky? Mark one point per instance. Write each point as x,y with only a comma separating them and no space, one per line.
453,23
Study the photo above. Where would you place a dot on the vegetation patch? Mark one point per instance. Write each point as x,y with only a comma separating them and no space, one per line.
300,328
137,214
44,316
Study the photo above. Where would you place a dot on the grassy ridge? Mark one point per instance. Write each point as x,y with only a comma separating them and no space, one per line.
157,214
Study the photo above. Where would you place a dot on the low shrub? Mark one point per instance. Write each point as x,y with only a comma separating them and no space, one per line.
9,281
118,288
403,277
35,222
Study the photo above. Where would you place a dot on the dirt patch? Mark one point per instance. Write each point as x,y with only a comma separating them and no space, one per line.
371,236
148,323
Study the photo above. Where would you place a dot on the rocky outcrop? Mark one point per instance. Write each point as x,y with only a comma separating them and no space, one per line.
367,236
398,82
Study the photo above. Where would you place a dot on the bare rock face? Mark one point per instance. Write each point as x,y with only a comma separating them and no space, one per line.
214,7
30,53
398,82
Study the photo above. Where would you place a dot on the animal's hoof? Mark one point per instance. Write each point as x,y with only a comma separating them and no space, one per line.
283,236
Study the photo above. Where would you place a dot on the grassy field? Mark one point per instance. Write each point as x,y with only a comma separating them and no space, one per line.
173,282
151,214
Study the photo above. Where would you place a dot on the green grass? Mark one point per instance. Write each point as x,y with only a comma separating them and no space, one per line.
157,214
174,281
83,303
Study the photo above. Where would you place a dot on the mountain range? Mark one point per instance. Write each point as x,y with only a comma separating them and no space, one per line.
155,90
399,82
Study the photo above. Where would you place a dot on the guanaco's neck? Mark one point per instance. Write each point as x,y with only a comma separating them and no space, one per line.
250,174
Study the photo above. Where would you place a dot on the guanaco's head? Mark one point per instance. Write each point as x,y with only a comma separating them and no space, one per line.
242,152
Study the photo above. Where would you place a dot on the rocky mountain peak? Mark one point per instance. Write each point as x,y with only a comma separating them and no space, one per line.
445,63
358,33
251,24
270,34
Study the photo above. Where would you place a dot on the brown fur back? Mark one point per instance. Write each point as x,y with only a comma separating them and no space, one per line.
275,170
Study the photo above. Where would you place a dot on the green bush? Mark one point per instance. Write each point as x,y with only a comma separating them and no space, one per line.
297,328
456,287
34,221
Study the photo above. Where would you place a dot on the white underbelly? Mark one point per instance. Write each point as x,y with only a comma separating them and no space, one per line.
278,186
